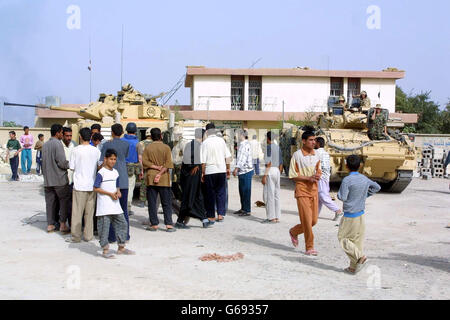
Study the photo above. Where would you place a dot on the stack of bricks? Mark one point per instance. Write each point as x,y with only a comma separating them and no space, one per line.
432,163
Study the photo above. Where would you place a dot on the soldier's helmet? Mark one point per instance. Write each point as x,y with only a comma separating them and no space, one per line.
378,106
127,87
341,98
147,132
131,127
363,92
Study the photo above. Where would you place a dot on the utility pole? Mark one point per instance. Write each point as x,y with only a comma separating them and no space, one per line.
90,71
121,61
2,106
282,114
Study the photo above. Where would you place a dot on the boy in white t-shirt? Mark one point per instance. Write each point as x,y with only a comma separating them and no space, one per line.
109,210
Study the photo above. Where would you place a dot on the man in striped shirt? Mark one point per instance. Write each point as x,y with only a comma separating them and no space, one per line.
244,169
324,182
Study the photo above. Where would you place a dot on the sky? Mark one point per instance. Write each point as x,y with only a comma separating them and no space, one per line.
44,47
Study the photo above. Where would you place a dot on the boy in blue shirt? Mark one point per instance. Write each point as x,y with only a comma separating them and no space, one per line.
354,190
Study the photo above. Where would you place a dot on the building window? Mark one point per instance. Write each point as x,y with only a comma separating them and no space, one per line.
254,93
336,87
354,87
237,93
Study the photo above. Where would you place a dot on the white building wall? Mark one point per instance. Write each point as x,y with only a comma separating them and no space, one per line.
386,87
300,94
216,89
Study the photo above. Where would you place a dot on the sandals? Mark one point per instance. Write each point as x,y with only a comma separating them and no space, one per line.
294,240
244,214
65,231
51,228
126,252
362,264
71,240
270,221
348,270
311,252
149,228
108,255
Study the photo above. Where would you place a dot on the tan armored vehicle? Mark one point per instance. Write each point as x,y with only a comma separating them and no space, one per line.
390,162
128,106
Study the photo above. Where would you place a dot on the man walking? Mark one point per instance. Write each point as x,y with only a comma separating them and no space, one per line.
244,168
271,181
157,160
305,171
56,182
83,161
121,147
132,161
26,141
256,153
215,158
324,182
192,204
13,149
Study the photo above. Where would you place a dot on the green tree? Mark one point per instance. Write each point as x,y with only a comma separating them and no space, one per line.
445,116
430,117
11,124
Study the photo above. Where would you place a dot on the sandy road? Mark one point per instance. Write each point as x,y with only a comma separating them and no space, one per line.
407,243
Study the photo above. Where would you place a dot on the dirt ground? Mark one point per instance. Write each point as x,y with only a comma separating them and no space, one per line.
407,242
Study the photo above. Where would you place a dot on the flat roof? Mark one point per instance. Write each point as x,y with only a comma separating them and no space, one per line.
235,115
293,72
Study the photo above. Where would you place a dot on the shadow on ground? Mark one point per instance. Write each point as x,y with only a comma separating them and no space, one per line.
264,243
309,261
90,247
433,191
438,263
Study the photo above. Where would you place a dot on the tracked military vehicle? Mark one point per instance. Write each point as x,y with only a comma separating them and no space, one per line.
390,162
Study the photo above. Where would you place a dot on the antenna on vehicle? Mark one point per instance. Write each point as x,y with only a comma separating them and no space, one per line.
121,61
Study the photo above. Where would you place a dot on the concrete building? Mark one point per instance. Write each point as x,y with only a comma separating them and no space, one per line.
241,94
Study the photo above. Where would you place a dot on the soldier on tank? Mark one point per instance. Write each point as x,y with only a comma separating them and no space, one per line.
365,101
341,103
377,129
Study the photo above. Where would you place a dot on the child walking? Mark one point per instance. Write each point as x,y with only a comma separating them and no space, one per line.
354,190
109,210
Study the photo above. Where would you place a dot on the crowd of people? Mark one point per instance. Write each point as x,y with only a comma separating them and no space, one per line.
89,187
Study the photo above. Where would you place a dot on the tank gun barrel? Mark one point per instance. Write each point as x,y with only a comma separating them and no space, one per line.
77,110
25,105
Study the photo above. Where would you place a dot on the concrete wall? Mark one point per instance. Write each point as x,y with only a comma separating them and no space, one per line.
441,141
386,87
4,137
300,94
48,122
204,86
